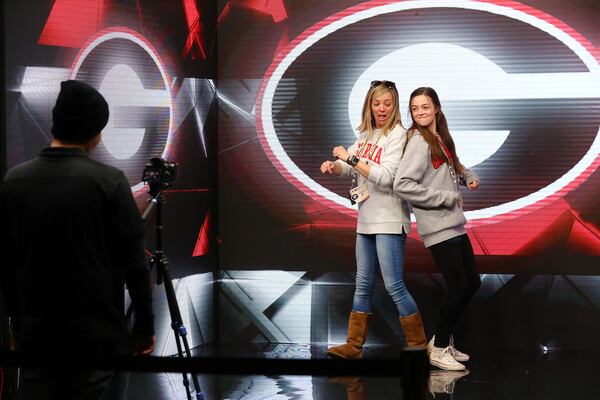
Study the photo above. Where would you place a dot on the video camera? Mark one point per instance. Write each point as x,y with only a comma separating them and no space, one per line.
159,173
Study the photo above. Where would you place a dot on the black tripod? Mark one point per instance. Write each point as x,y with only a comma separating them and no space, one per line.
159,260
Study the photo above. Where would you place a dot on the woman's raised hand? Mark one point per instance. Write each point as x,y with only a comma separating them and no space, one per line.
340,153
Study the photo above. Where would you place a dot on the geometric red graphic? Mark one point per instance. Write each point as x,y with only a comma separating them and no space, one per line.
192,16
203,241
274,8
284,40
524,235
72,22
550,229
584,239
224,13
552,238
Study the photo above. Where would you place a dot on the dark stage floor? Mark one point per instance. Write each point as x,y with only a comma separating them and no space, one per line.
491,375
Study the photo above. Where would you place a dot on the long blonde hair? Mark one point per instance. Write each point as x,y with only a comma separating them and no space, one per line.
368,120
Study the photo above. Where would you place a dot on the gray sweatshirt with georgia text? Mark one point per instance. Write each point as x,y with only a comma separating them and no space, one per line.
383,211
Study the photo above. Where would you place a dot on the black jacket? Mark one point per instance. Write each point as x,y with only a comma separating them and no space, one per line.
72,235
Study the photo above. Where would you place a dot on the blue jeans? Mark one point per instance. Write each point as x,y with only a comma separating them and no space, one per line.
387,252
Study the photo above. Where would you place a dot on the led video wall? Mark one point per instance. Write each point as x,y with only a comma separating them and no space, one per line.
519,84
520,87
249,97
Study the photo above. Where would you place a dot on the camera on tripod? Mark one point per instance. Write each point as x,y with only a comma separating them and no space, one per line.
159,172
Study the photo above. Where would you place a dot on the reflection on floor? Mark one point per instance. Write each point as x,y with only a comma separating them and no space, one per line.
490,376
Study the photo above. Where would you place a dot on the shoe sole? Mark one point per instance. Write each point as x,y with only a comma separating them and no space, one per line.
342,357
334,354
446,366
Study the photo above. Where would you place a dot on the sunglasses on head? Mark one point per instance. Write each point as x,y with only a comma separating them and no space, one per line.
387,84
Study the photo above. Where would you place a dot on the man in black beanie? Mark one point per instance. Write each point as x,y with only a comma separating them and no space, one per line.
72,235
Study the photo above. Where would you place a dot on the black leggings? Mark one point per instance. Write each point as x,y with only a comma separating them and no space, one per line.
455,260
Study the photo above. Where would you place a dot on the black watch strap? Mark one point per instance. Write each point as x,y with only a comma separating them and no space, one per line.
353,160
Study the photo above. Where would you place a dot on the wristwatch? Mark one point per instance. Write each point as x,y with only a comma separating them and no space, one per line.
352,160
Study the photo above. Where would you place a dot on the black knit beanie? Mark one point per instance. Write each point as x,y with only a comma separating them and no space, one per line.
80,112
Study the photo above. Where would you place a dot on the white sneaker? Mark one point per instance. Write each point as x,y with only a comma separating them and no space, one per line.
443,381
441,358
458,355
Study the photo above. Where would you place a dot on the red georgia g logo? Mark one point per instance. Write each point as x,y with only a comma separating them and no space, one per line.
511,97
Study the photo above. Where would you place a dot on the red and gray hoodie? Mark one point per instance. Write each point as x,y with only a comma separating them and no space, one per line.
430,189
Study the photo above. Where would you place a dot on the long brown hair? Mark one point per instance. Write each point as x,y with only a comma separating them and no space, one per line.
442,128
367,123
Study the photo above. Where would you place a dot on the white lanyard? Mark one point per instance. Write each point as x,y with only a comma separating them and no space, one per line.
450,160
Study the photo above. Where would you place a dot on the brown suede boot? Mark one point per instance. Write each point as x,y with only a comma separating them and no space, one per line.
357,335
413,330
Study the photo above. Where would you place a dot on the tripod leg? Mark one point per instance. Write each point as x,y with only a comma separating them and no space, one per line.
186,382
160,260
183,335
177,325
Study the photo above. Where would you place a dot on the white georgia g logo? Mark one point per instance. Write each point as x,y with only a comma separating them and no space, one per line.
123,89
